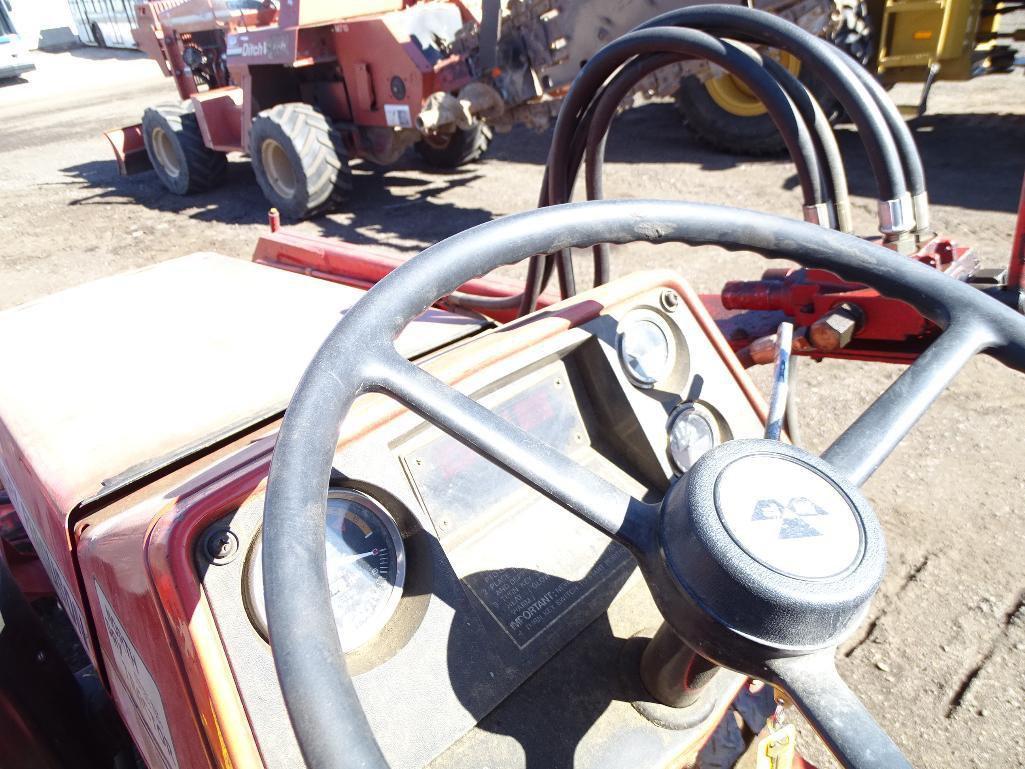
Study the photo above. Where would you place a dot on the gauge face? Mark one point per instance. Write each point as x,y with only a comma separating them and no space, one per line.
365,568
644,352
691,434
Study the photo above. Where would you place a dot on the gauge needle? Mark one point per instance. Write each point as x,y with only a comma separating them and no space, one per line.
357,556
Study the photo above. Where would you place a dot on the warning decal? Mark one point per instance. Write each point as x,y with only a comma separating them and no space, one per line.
138,682
398,115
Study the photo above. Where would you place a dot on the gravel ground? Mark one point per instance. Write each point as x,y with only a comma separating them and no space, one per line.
941,659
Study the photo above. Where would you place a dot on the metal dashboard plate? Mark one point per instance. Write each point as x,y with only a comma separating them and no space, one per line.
524,558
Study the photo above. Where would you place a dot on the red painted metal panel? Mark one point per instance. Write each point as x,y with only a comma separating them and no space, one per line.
219,114
129,149
144,672
117,394
45,523
1016,269
362,267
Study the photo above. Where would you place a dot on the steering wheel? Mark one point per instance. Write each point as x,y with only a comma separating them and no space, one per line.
771,615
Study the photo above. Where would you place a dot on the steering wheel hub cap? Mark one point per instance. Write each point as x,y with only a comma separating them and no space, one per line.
788,517
767,543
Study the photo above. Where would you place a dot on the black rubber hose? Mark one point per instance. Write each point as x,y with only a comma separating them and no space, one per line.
690,43
822,133
823,59
597,135
562,158
911,159
829,160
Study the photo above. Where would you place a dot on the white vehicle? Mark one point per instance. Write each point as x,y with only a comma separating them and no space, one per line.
14,59
105,23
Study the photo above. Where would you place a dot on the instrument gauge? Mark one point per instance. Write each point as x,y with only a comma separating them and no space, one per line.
645,352
692,432
366,568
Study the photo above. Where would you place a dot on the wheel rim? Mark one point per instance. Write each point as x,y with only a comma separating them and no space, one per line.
736,98
163,147
278,168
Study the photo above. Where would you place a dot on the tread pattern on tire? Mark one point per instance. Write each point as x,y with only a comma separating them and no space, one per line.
206,168
322,155
466,146
718,129
850,29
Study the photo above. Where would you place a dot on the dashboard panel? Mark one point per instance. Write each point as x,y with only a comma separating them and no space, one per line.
517,629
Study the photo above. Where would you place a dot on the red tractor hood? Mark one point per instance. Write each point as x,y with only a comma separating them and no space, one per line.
107,382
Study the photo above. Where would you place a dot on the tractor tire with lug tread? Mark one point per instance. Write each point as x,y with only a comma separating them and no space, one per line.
717,127
460,147
175,147
299,159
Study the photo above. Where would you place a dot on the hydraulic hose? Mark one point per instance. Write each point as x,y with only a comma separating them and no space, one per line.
597,135
563,156
911,159
685,43
834,181
825,141
829,65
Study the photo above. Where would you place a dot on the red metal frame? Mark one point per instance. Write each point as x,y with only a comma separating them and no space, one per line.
362,267
1016,268
890,330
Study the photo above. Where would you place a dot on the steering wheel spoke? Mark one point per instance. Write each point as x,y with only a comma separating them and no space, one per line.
587,495
862,447
835,712
720,552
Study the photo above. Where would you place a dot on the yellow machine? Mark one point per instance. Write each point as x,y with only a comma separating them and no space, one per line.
900,40
922,40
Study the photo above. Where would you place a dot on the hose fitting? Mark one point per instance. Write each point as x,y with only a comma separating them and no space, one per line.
822,214
920,210
844,216
895,217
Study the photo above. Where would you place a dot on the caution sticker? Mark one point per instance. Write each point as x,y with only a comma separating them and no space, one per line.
138,682
398,115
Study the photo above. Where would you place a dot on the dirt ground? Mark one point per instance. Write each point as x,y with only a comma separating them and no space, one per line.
941,659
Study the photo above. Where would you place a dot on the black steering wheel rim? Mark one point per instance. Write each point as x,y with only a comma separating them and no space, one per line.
359,357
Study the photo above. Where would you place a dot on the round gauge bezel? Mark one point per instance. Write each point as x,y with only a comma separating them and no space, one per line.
253,590
634,318
711,418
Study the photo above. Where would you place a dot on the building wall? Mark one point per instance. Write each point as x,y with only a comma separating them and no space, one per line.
45,24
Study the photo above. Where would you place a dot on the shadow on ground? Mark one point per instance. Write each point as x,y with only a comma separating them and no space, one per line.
971,160
406,202
95,53
384,206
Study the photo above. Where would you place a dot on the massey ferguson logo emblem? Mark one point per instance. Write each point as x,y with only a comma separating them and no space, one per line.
795,519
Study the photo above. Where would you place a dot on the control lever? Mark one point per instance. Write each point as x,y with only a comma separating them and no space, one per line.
780,381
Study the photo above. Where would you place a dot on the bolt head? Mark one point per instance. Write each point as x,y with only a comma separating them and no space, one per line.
670,300
221,545
833,330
